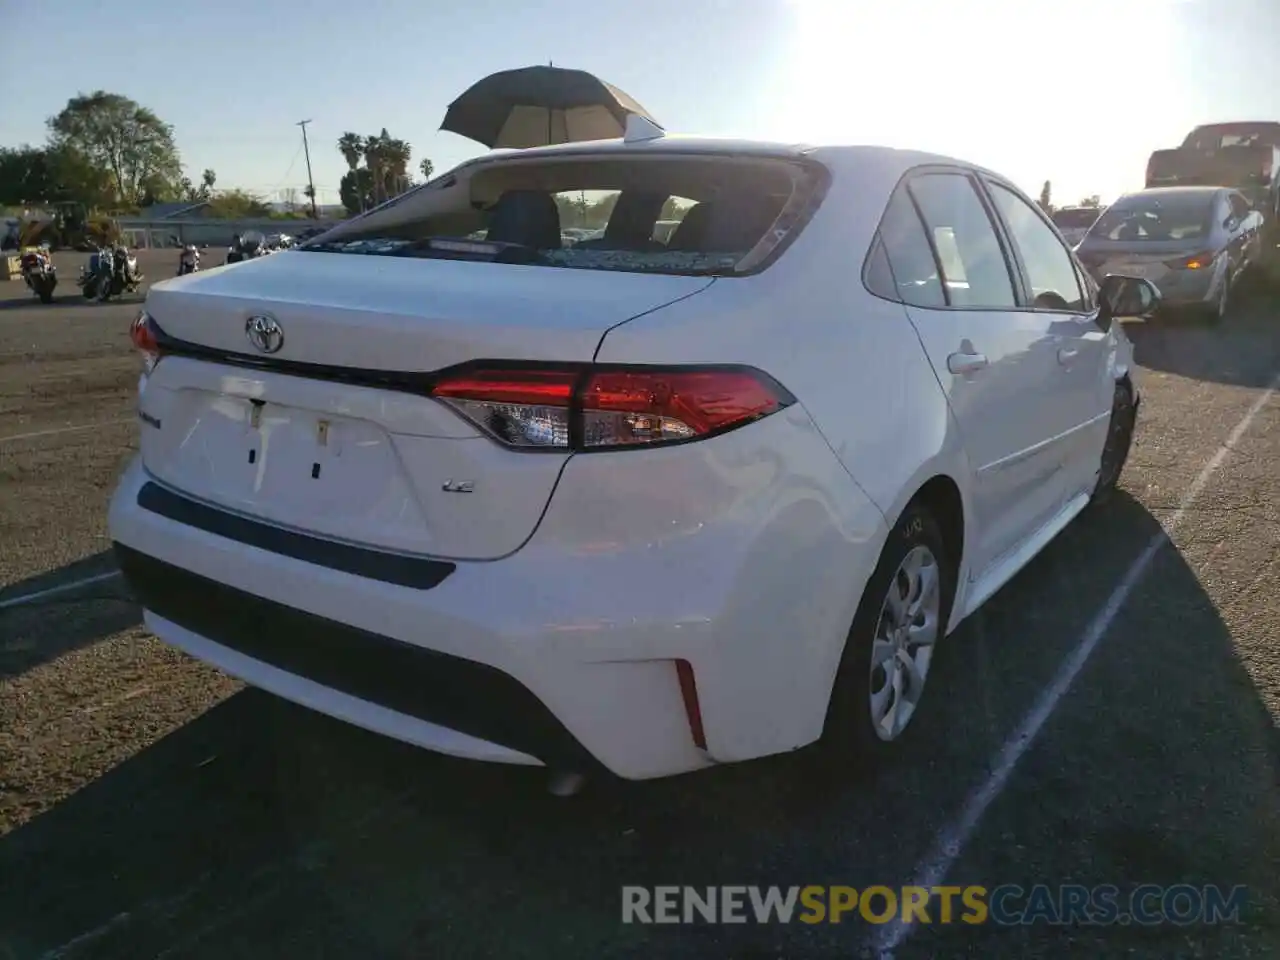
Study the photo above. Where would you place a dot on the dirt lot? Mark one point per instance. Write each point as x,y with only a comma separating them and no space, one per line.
151,807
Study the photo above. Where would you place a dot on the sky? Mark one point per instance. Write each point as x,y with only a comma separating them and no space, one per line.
1078,92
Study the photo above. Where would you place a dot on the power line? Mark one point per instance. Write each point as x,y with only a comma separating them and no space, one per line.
296,154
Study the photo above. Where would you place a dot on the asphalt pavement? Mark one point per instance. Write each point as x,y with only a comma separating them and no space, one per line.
1110,717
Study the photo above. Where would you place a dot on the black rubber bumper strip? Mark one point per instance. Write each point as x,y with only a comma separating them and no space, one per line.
421,573
450,691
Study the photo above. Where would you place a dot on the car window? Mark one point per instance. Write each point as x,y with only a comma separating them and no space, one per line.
914,269
1239,205
879,275
974,268
1050,270
1157,216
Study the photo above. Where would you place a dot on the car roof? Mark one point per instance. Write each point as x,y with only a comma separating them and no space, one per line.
832,155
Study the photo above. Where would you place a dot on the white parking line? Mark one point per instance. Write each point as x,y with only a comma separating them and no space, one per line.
951,841
54,591
57,430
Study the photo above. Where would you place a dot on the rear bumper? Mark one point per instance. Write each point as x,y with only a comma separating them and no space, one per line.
1180,288
564,653
496,716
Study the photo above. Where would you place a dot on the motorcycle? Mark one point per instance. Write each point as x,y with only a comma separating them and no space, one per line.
110,273
249,247
39,273
188,260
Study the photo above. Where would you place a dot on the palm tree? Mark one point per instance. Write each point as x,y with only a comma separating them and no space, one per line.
427,168
373,153
395,155
352,147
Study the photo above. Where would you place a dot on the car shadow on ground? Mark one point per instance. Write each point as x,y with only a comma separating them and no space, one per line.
58,622
1178,343
72,298
263,829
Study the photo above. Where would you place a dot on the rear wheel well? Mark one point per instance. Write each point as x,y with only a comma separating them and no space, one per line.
941,497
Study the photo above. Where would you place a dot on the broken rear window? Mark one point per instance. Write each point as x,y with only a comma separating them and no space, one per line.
676,214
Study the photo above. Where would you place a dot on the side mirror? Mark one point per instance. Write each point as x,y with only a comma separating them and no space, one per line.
1231,222
1120,297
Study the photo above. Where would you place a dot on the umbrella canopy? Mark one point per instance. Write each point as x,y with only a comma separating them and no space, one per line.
537,106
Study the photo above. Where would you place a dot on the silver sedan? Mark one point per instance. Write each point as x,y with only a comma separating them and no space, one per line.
1194,243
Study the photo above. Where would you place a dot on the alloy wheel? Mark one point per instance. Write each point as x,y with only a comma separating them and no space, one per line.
902,650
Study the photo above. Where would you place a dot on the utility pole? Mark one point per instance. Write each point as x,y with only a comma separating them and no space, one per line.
311,184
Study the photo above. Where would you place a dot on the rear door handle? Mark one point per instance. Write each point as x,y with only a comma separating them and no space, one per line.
960,363
1067,354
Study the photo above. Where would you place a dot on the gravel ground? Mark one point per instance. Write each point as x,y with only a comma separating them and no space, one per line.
152,807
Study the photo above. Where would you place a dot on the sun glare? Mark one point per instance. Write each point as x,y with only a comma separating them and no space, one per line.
1017,86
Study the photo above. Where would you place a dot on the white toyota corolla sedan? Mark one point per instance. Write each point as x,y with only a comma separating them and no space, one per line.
628,504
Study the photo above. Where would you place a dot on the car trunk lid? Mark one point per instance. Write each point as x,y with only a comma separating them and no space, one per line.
330,435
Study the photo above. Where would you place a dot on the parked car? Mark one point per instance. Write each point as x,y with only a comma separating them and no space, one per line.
1074,222
1193,243
1245,156
625,507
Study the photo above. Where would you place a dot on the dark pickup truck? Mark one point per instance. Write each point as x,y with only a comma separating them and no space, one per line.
1243,156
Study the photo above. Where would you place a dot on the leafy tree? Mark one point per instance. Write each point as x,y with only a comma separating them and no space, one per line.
35,175
128,141
237,205
385,172
427,167
26,175
356,190
573,210
1046,197
157,189
194,194
351,146
388,160
1091,201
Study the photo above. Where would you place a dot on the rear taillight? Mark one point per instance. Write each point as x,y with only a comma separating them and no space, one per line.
608,407
145,336
1197,261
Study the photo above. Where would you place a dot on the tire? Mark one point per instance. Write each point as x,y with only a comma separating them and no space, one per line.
866,718
45,294
1216,312
1115,452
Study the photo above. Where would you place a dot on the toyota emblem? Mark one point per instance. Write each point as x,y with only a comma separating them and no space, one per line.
264,333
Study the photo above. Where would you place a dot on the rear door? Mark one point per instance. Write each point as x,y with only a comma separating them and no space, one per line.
1080,346
995,361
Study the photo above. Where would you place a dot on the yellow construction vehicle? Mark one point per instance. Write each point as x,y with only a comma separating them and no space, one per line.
67,226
